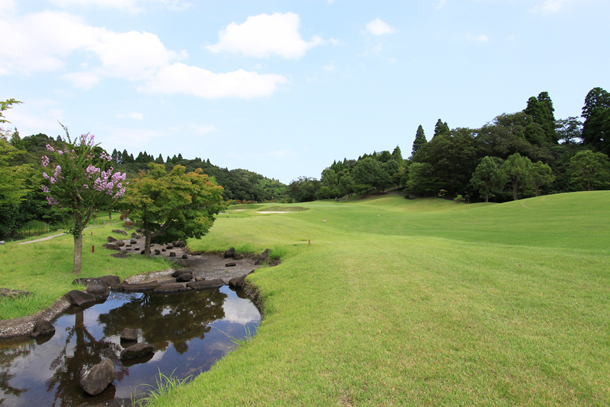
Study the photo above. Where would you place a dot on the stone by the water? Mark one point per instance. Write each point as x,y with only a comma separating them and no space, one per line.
80,299
185,256
171,288
42,328
98,378
230,253
206,284
136,351
141,287
184,277
130,335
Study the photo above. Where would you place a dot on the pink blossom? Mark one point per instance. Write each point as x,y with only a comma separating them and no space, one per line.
85,186
60,152
45,175
52,201
50,148
45,160
45,189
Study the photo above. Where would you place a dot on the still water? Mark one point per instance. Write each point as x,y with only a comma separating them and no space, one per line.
189,330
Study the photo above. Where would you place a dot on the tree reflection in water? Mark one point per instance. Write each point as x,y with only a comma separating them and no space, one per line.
161,319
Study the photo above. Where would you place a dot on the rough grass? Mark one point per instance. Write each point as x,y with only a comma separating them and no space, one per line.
425,304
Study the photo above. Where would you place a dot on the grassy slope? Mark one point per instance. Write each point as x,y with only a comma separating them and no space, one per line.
429,303
45,268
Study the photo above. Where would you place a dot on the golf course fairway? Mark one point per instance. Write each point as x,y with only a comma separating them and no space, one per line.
422,302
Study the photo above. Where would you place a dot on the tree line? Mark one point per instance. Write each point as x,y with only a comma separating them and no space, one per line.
514,156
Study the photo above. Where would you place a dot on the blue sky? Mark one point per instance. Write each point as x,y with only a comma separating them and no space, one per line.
283,88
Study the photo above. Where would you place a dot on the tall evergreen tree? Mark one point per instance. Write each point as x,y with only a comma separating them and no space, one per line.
596,111
441,128
542,113
420,140
397,155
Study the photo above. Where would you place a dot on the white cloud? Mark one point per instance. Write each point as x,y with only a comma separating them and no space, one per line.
130,137
378,27
82,80
334,42
264,35
7,6
477,38
550,6
191,80
132,115
133,6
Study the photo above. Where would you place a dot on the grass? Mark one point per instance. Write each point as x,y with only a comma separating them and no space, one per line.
164,385
422,302
45,268
283,208
429,303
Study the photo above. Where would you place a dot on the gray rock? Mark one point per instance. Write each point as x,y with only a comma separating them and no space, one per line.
79,298
97,287
172,254
261,258
133,241
136,351
130,335
237,282
141,287
171,288
178,272
184,277
119,231
111,280
185,256
8,293
230,253
111,239
112,246
157,252
98,378
206,284
230,264
42,328
120,255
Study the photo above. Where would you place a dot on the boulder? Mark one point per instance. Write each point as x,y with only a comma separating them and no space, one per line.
261,258
171,288
206,284
157,252
133,241
237,282
230,253
136,248
129,335
172,254
119,243
179,243
111,280
42,328
141,287
136,351
98,287
98,378
80,299
185,256
169,247
162,250
111,239
135,235
119,231
111,246
1,242
184,277
230,264
178,272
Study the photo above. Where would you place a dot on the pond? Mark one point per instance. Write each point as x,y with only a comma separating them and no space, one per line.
189,331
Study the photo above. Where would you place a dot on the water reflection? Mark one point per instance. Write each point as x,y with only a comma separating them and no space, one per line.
179,326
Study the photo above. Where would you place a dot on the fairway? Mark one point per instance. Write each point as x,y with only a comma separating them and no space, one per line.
422,302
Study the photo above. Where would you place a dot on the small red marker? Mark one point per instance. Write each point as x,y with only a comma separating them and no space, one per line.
92,249
309,242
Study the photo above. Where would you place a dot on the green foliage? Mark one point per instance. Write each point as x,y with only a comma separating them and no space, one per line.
173,206
12,178
5,105
369,175
488,177
419,141
590,170
517,170
541,174
441,128
542,113
421,179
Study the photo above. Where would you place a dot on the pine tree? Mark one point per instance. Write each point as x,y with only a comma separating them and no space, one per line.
420,140
441,128
397,155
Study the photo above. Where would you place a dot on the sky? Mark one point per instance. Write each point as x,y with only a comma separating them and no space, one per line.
284,88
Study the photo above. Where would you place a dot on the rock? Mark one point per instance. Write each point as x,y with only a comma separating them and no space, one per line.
8,293
111,239
179,243
199,278
128,249
140,230
122,232
127,245
111,246
136,248
129,335
237,282
135,235
230,253
206,284
111,280
230,264
97,287
162,250
169,247
133,241
178,272
185,256
1,242
98,378
171,288
120,243
184,277
157,252
141,287
275,263
136,351
261,258
42,328
172,254
120,255
238,256
80,299
143,251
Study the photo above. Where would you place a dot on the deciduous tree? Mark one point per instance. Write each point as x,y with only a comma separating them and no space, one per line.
517,169
589,170
487,177
541,174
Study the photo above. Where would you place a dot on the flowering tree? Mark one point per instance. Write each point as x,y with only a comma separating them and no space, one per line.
82,180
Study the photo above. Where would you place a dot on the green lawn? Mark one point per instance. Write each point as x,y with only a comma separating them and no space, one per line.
429,303
399,302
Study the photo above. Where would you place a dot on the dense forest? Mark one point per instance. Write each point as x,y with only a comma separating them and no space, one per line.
516,155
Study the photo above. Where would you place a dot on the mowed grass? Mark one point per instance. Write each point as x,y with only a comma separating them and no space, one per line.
429,303
45,268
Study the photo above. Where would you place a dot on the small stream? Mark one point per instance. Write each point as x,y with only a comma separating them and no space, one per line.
189,331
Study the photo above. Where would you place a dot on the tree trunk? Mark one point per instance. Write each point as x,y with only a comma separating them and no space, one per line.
147,239
486,196
78,250
109,214
537,190
515,186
